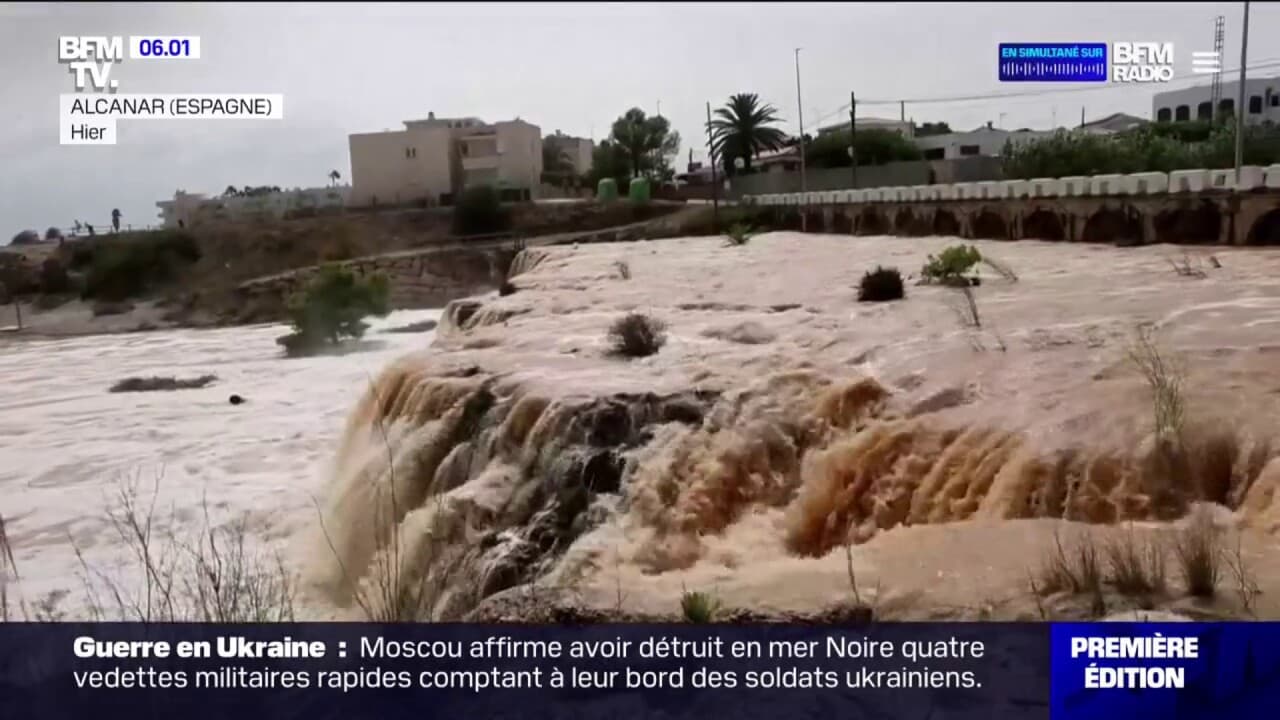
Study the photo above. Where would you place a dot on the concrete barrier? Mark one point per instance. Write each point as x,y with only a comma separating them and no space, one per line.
967,191
1272,176
989,189
1075,186
1107,185
1045,187
1151,183
944,192
1014,189
873,195
1252,177
1222,179
1185,181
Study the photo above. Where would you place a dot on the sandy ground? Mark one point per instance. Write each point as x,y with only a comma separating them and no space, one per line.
980,420
75,318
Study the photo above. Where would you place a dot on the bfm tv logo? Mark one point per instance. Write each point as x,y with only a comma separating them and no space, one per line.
1151,62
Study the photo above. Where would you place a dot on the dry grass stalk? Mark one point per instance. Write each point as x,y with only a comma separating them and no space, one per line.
1165,375
1199,552
1137,567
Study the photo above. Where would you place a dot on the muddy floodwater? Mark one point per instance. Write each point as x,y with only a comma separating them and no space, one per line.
785,440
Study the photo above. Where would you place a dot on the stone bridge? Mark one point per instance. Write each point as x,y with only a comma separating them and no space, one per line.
1128,210
1209,218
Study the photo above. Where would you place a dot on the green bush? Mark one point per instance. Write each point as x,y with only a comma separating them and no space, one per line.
129,266
479,211
333,306
699,607
739,234
881,285
874,146
950,267
53,277
1158,147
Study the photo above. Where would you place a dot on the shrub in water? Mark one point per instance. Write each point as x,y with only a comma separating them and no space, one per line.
333,306
739,234
950,267
880,285
637,335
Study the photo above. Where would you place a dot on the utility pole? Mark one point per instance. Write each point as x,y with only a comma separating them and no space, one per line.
853,135
1240,107
902,110
715,183
1215,92
1081,116
804,182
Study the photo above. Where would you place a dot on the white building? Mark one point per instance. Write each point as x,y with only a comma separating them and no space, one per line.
985,140
577,151
903,127
431,160
187,209
1262,99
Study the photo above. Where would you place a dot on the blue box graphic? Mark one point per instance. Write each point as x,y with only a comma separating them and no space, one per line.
1053,62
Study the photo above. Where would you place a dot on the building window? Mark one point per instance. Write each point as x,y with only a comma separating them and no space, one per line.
934,154
462,148
1255,104
1204,111
1227,106
1182,113
1164,115
970,150
1275,101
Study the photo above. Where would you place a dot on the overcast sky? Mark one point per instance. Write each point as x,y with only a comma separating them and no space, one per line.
572,67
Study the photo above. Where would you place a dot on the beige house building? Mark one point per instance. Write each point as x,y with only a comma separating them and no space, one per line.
432,160
575,149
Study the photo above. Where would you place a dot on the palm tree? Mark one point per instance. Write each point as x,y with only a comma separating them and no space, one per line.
741,129
335,176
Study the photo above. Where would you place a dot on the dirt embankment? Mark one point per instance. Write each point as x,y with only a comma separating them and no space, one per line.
189,277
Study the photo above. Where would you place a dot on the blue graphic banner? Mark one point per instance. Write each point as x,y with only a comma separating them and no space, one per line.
119,671
1053,62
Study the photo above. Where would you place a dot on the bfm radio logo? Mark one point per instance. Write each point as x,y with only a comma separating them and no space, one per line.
1151,62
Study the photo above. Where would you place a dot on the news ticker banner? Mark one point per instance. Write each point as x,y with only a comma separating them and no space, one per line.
88,116
941,670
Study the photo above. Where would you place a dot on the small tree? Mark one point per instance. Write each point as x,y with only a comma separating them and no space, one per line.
26,237
333,306
335,176
951,265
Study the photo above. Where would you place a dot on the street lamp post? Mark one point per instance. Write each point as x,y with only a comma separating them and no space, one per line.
804,185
